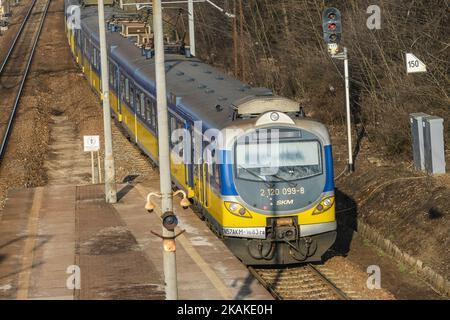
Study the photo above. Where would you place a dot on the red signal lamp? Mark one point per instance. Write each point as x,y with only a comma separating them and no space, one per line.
332,26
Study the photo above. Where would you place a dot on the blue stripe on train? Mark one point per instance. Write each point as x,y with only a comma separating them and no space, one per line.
227,187
329,180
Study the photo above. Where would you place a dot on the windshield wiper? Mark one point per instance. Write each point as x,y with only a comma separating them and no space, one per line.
267,183
290,183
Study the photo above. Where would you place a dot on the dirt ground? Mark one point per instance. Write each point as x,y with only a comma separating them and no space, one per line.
57,88
411,212
405,206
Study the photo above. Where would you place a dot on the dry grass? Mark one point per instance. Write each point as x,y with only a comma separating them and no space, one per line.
279,45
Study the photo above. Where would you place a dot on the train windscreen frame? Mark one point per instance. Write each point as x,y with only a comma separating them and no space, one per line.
287,159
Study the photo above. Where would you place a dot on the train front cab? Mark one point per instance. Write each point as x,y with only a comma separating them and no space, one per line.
280,221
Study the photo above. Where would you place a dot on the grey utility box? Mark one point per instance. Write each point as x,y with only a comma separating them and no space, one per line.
433,136
416,120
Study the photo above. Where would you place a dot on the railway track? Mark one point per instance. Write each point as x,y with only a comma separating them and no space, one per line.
305,282
16,65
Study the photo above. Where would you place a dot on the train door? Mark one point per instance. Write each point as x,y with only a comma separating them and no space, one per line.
118,90
89,60
206,183
186,154
189,158
82,51
123,95
197,146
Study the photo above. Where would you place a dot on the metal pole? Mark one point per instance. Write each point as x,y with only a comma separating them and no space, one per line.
347,105
110,183
92,167
191,26
241,39
170,267
99,168
235,42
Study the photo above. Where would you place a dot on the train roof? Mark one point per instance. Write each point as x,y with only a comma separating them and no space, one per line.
198,87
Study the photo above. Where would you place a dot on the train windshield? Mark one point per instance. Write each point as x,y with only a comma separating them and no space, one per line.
286,160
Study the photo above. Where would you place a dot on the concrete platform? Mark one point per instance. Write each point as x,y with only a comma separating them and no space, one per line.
65,242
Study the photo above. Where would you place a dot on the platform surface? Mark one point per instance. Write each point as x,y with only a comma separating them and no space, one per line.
65,242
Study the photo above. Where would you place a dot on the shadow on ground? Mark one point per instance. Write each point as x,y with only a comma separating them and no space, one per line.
346,218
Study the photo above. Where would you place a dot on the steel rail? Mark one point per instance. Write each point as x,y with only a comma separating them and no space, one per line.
338,292
330,283
22,83
11,48
264,283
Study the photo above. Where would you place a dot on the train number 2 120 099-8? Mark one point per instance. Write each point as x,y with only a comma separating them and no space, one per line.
284,191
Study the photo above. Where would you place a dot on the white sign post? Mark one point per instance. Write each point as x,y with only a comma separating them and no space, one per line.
92,144
333,49
414,65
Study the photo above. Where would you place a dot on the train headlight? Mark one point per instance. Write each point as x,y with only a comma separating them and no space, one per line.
324,205
237,209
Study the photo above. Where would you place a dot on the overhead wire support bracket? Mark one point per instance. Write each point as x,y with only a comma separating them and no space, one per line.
142,5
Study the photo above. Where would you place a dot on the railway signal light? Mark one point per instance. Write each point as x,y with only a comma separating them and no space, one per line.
331,25
332,31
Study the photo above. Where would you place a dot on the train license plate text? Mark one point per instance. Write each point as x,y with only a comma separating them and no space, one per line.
256,233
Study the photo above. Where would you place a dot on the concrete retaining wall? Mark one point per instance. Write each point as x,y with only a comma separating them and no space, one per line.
437,281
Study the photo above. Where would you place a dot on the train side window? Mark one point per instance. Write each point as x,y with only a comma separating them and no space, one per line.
173,122
112,75
217,174
141,104
180,124
138,101
172,127
144,109
122,87
97,57
150,114
127,90
131,96
155,117
92,52
94,58
115,77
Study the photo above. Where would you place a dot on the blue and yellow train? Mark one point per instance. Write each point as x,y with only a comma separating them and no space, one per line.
270,191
